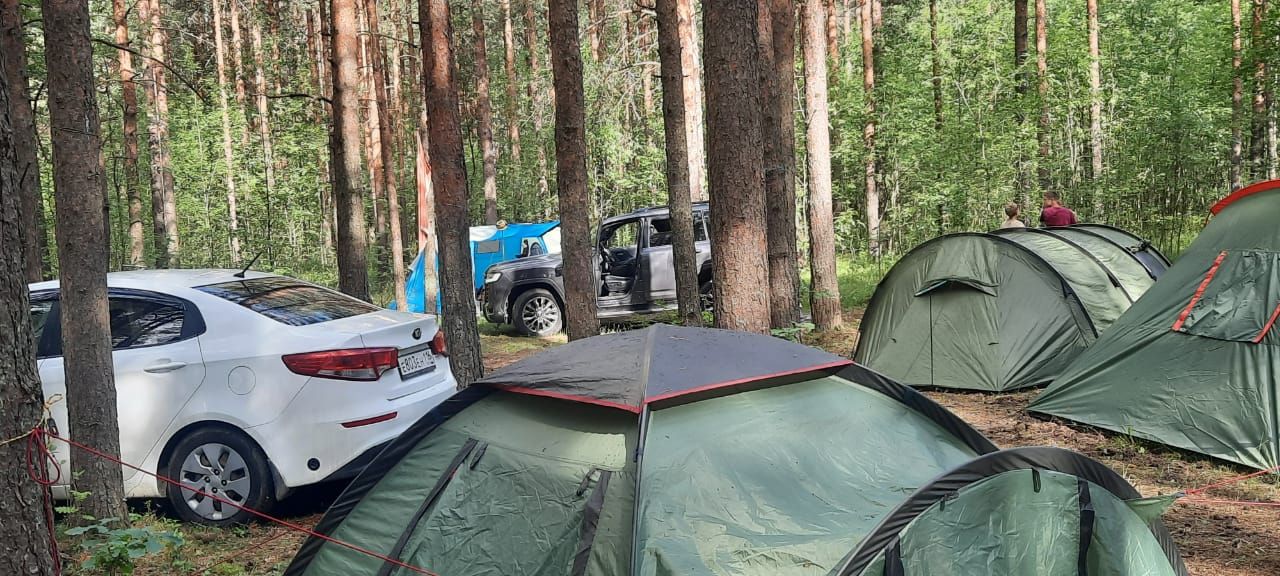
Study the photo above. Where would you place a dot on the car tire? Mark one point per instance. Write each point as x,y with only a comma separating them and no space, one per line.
224,463
537,312
706,297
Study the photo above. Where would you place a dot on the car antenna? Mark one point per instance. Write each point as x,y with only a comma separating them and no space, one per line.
241,273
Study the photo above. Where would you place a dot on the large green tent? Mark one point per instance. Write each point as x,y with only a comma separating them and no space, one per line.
1195,363
659,452
1004,310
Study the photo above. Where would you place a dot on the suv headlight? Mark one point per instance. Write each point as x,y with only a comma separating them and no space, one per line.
491,277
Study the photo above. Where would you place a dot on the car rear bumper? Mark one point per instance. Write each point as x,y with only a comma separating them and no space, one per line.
334,428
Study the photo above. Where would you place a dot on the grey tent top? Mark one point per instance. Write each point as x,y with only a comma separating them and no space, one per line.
661,362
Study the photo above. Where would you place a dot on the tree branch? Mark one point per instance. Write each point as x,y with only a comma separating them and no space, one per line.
177,74
300,95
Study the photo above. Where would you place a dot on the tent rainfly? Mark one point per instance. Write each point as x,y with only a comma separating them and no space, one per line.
1004,310
660,452
1195,363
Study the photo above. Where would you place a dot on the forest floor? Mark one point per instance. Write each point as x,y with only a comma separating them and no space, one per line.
1215,540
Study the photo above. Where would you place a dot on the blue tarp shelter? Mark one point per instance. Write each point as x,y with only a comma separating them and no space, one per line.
489,245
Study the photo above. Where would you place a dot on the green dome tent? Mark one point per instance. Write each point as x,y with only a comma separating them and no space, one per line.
1004,310
658,452
1195,363
1043,511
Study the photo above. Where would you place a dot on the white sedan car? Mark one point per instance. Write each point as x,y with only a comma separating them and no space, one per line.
247,386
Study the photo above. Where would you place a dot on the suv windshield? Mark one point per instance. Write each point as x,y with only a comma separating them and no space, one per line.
289,301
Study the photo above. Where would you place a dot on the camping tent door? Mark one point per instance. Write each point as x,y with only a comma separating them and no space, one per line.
963,340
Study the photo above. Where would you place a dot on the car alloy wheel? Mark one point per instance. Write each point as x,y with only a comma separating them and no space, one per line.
219,471
540,313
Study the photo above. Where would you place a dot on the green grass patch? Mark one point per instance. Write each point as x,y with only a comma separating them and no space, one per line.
857,278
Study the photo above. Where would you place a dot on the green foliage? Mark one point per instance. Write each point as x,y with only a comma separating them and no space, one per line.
116,551
795,333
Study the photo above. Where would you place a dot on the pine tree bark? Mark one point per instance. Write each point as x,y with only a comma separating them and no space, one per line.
1021,84
163,202
22,118
832,26
935,55
595,14
264,128
228,149
691,63
344,142
532,49
1042,72
449,180
372,142
237,54
24,532
777,66
129,134
679,203
869,129
484,118
512,104
427,238
571,170
824,293
1095,91
734,161
386,142
83,255
1237,97
1259,46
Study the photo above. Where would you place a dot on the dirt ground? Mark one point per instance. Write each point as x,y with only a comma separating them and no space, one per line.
1215,540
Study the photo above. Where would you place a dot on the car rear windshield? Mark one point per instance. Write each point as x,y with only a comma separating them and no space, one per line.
289,301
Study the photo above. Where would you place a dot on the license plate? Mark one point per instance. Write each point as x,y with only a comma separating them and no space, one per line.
416,361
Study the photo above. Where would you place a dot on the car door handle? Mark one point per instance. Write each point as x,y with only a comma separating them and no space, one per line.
163,367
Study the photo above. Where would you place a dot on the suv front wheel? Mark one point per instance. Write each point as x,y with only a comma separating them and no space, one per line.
537,313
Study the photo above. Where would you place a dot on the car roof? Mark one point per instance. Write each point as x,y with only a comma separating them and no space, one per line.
648,212
165,279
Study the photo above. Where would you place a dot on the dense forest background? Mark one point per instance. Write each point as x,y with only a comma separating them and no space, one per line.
953,143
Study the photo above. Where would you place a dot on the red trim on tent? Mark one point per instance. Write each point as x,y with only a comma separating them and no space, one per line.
1246,191
1177,326
679,393
1270,322
569,397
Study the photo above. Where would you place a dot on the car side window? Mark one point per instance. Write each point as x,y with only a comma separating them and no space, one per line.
699,226
138,322
659,232
40,313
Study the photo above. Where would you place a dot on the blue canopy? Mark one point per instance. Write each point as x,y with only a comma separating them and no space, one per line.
489,245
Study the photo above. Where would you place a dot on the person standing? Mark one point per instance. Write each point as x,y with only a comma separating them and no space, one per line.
1054,213
1012,213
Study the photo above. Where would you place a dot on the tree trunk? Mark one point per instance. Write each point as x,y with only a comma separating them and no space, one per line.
426,219
228,154
571,170
323,71
735,158
683,252
832,26
535,97
237,52
264,128
935,54
1095,92
777,67
824,293
1237,97
24,530
1260,52
373,142
595,25
1042,72
1020,84
449,180
513,121
691,63
83,255
163,202
26,143
386,139
484,118
348,195
129,136
869,129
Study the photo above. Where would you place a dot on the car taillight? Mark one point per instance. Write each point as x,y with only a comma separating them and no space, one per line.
438,344
364,364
